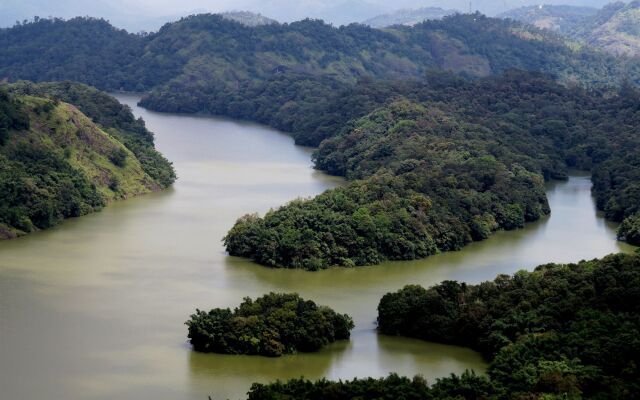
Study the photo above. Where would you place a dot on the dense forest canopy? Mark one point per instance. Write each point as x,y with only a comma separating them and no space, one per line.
57,162
468,386
567,330
560,332
272,325
470,45
362,95
12,116
443,162
204,52
86,50
445,131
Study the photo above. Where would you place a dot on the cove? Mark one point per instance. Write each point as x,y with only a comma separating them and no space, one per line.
94,308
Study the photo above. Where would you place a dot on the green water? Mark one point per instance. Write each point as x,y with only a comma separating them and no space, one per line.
94,309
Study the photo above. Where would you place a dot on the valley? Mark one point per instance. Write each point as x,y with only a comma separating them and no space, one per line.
113,289
403,208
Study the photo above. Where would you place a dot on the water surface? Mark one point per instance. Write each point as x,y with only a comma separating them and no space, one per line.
94,309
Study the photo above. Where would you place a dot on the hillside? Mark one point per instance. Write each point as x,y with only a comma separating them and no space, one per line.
311,54
615,28
407,17
559,332
562,19
248,18
81,49
562,330
199,56
435,165
57,163
324,83
112,117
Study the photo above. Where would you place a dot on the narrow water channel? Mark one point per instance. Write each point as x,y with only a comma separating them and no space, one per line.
94,309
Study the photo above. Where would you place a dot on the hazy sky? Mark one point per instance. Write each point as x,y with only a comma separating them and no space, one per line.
138,15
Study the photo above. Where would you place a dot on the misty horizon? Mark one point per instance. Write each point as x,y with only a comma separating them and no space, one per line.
146,15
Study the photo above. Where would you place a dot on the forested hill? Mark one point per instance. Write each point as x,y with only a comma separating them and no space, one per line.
86,50
437,164
563,19
222,63
407,17
205,53
615,28
560,332
60,160
248,18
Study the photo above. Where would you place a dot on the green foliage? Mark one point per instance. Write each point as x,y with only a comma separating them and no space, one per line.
630,230
269,74
113,117
118,157
569,330
12,117
194,63
81,49
56,164
37,188
272,325
384,218
437,164
467,386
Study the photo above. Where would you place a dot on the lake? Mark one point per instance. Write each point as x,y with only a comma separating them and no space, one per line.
95,308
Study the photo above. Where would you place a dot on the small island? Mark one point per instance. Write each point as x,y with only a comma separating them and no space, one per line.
272,325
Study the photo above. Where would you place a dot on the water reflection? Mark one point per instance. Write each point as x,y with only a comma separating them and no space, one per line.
95,308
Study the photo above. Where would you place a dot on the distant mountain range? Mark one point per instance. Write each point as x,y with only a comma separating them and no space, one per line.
614,28
247,18
149,15
563,19
350,11
225,53
407,17
120,13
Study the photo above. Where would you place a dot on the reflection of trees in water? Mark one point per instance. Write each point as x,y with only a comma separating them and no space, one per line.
377,280
367,354
505,252
357,291
231,376
428,359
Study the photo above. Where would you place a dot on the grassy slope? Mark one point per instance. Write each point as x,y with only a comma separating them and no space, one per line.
91,148
112,117
61,131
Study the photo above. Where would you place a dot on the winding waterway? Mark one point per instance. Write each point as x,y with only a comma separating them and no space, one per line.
94,309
